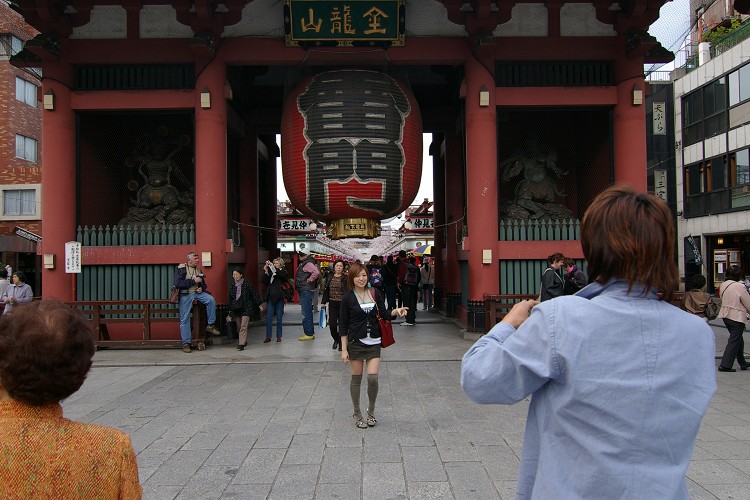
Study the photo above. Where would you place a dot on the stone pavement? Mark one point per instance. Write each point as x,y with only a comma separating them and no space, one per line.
274,421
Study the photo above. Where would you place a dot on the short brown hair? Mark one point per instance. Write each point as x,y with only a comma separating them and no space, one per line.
46,349
354,269
555,257
630,236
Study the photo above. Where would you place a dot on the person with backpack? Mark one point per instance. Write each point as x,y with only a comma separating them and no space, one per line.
553,283
275,276
408,282
376,274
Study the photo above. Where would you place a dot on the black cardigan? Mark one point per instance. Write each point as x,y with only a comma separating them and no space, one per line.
354,323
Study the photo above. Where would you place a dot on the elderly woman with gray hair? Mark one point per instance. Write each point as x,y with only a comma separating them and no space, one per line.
19,292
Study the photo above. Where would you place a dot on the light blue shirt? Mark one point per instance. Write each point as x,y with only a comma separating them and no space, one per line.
619,385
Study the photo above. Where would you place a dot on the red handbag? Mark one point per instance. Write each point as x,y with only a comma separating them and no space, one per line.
386,327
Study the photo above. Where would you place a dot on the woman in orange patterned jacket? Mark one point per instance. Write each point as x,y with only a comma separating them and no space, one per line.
45,353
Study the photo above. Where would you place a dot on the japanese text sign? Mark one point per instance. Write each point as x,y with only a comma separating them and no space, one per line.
72,257
350,22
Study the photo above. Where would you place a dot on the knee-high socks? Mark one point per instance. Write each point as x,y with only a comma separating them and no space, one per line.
372,393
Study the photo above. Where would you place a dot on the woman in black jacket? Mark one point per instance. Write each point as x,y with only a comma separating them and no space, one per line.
274,275
243,303
360,337
335,288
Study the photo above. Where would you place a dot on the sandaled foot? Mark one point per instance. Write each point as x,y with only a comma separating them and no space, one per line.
371,420
359,422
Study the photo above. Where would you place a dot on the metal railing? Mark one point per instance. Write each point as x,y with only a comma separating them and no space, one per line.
161,234
730,40
536,230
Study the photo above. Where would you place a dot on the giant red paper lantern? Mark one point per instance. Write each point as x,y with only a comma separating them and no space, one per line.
351,150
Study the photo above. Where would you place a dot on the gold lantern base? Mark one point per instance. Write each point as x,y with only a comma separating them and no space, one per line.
357,227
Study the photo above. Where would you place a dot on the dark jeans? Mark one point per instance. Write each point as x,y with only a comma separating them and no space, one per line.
333,319
735,345
390,296
409,294
274,309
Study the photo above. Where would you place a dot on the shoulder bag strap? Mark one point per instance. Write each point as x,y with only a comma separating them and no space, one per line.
374,299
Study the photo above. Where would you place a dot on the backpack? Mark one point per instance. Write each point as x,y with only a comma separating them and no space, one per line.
376,279
412,275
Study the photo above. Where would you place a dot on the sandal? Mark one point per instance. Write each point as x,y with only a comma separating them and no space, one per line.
371,420
360,423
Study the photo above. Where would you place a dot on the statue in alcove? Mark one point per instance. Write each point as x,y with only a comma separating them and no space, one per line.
536,192
157,200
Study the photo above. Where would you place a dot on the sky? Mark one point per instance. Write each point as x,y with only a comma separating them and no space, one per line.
672,27
425,187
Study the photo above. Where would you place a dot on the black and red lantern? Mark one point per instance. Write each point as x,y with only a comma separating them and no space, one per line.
351,150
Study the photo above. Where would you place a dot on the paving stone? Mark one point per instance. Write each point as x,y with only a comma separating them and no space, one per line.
343,491
470,480
429,491
306,449
260,466
295,482
423,464
342,465
383,481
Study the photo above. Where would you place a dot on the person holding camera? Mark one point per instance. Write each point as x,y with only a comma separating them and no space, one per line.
191,282
274,275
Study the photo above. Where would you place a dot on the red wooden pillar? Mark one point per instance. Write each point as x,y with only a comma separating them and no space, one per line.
211,176
630,124
481,180
454,209
248,205
438,209
59,177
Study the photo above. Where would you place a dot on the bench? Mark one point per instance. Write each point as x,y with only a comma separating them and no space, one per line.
142,315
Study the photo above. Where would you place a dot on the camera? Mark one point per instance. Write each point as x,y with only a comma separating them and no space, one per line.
200,275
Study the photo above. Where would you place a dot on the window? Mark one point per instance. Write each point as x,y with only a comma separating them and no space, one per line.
739,85
714,108
26,148
20,202
692,118
717,177
26,91
742,168
10,45
694,179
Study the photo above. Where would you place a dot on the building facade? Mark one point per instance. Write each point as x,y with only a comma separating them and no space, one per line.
20,152
712,134
162,118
